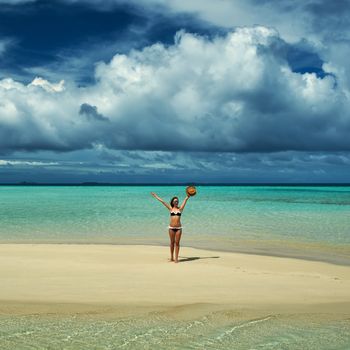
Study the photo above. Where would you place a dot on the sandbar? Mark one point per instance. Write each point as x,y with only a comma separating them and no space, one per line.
131,279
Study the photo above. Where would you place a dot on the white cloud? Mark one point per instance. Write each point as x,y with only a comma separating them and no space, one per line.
5,162
47,86
231,93
324,24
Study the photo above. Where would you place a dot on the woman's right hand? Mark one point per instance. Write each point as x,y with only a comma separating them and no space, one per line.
153,194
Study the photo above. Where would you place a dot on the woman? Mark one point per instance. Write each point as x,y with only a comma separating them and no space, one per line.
175,229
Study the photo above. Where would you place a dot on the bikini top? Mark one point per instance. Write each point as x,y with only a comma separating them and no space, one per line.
174,214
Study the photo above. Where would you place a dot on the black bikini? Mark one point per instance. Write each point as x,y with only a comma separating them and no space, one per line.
175,228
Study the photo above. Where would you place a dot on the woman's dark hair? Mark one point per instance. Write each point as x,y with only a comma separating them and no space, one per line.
172,201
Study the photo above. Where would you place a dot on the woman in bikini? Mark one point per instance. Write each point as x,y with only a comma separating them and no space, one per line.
175,229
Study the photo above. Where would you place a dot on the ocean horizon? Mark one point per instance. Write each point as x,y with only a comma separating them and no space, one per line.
183,183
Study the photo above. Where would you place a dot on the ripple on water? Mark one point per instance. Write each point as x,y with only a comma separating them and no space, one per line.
218,330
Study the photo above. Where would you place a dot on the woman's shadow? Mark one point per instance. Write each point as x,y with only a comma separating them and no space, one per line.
192,258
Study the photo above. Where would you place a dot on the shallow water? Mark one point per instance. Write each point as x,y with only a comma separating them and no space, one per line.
269,219
219,330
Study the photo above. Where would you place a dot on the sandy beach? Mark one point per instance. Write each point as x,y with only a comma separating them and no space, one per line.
123,280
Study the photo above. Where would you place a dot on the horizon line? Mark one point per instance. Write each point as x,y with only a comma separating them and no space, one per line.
193,183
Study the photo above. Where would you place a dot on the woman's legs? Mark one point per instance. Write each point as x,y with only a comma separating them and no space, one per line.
172,243
177,244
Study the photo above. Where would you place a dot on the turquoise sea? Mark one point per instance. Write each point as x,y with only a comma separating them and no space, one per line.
303,221
311,222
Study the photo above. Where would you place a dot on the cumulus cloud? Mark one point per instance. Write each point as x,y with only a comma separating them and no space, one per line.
232,93
325,24
47,86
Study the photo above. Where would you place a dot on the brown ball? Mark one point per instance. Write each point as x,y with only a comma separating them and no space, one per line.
191,190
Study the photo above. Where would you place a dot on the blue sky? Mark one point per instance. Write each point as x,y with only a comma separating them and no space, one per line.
174,91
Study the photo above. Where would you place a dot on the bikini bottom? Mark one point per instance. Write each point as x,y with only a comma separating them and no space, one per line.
175,228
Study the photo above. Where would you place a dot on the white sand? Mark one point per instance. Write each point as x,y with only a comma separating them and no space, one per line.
70,278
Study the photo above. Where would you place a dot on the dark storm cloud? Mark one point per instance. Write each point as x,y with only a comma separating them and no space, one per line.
91,112
327,20
58,32
67,38
330,16
15,2
139,166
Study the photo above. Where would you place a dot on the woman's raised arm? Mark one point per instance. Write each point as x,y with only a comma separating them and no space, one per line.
184,203
161,200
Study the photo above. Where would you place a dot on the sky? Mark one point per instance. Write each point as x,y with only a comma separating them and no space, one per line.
175,91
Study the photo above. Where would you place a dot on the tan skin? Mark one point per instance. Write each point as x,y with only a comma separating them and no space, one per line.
175,236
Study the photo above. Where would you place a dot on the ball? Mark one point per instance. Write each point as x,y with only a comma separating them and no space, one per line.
191,190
